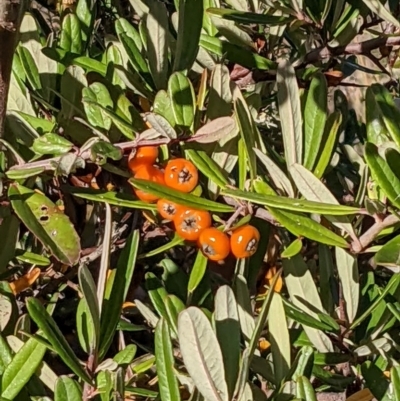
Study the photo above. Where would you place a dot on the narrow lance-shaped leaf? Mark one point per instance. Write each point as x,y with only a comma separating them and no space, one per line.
332,126
228,333
189,29
382,173
348,274
157,50
47,222
297,205
314,119
313,189
70,37
21,368
67,389
53,334
202,355
167,380
279,337
88,288
116,291
248,18
304,295
180,90
290,113
388,111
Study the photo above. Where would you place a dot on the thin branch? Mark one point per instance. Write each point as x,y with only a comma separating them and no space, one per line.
369,236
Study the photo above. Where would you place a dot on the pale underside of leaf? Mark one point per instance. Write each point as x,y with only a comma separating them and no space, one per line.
202,354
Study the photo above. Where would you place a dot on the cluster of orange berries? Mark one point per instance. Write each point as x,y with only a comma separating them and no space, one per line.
191,224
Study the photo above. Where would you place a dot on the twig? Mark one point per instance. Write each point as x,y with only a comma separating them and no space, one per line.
353,48
48,164
370,235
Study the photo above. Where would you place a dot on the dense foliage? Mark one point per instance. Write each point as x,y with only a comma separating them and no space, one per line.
282,120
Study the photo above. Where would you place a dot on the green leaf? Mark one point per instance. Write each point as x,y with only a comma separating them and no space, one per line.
278,177
305,390
290,113
395,376
304,318
46,221
180,91
85,11
157,293
296,205
53,334
220,93
303,294
377,132
391,287
132,44
242,17
70,37
67,389
301,225
245,310
21,368
347,266
375,381
31,258
227,328
207,166
30,68
279,337
293,249
173,306
84,326
8,307
51,144
247,132
262,318
315,116
388,111
157,49
95,94
117,291
19,174
332,126
202,355
326,277
167,380
162,107
197,273
88,288
314,190
389,254
179,197
379,9
235,54
382,174
189,29
110,197
126,356
102,150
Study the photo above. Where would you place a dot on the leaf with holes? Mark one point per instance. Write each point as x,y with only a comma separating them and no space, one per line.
47,222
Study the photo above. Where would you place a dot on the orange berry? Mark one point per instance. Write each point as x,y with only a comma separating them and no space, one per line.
181,174
145,155
150,173
167,209
214,244
190,223
244,241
